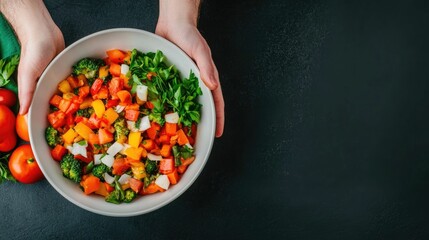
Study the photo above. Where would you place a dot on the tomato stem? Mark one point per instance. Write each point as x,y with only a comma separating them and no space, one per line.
30,160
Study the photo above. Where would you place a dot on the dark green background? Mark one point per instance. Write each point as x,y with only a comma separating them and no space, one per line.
326,133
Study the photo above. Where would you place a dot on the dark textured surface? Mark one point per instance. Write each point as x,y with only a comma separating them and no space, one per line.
326,127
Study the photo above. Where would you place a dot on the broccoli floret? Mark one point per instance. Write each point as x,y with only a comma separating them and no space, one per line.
71,168
52,137
87,67
151,167
121,129
116,196
129,195
85,112
99,170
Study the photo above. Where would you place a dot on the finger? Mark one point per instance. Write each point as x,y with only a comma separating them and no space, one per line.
202,55
220,110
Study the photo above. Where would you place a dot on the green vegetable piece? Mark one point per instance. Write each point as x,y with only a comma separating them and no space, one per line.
99,170
129,195
88,67
71,168
151,167
52,137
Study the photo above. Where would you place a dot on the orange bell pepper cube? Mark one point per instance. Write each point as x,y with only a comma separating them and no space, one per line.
173,177
182,169
102,190
170,128
64,105
111,115
90,184
55,100
116,56
58,152
134,153
83,91
166,150
93,139
150,189
83,130
182,138
115,69
188,161
103,93
104,136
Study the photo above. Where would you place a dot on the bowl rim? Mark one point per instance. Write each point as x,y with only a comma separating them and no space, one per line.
204,158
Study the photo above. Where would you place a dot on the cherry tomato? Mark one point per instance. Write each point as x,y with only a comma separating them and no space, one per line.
23,165
7,129
22,127
7,97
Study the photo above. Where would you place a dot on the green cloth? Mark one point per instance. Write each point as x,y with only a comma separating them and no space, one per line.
9,45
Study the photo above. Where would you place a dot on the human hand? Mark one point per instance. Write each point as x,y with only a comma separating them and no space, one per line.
40,40
177,23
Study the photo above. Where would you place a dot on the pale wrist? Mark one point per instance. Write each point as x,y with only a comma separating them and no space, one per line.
178,11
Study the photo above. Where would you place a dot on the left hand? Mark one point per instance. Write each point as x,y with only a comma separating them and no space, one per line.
184,33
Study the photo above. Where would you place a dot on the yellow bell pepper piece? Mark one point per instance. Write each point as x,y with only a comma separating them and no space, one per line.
111,115
103,72
83,130
138,170
99,108
69,136
134,153
134,139
64,86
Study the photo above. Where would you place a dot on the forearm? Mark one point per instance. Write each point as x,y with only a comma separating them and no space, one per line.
25,15
179,11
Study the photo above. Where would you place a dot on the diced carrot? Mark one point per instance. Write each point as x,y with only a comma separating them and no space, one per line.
134,106
72,81
166,165
136,185
116,56
93,139
150,189
81,80
55,100
152,132
173,140
104,136
188,161
164,138
181,169
124,97
166,150
182,138
90,184
115,69
170,128
173,176
102,190
58,152
120,166
148,144
109,188
127,58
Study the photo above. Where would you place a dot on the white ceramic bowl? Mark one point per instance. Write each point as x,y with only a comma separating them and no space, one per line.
95,45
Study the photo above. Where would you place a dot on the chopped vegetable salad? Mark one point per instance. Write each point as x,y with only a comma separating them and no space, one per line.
125,125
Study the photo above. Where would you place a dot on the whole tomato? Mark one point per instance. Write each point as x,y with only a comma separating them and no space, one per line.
7,97
22,127
23,165
7,129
